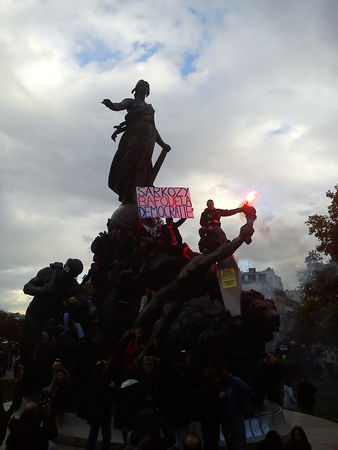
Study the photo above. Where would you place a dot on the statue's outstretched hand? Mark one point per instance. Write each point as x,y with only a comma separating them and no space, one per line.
249,210
106,102
114,135
246,232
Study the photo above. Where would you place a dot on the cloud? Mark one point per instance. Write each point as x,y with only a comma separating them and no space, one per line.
244,92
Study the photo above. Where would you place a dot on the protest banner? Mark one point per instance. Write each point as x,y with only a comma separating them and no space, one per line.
171,202
230,284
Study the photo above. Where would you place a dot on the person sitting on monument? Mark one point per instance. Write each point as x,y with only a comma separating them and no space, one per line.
171,235
211,233
72,317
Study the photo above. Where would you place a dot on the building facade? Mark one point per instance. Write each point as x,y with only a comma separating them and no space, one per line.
265,281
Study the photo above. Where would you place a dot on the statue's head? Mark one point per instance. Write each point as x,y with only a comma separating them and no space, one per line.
259,314
142,87
73,267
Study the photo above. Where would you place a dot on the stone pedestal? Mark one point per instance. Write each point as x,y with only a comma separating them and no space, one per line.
269,417
124,215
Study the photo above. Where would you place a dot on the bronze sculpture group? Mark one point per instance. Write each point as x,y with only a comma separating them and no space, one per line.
130,259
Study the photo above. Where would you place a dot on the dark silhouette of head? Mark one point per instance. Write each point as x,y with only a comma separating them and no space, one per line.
274,439
210,204
298,435
192,442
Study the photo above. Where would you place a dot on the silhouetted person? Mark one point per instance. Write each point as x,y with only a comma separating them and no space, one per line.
234,396
289,396
192,442
176,402
146,428
45,352
272,441
171,235
306,394
60,394
32,430
298,440
209,409
130,400
273,377
149,381
100,400
211,233
134,347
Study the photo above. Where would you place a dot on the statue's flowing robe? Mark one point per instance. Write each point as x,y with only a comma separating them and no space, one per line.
132,165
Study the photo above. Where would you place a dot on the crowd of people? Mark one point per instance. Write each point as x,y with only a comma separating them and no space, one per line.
297,441
156,405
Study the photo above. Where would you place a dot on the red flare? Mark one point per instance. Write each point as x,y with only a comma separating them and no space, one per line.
251,197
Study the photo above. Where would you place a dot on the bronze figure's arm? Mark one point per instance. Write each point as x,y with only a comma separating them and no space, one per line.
41,284
229,248
125,104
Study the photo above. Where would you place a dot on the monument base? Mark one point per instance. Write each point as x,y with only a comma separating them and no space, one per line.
269,417
73,431
125,215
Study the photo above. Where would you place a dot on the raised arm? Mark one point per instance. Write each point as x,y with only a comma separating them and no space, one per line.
228,248
125,104
230,212
38,285
180,222
44,281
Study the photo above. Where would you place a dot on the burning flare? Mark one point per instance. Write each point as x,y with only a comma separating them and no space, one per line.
251,197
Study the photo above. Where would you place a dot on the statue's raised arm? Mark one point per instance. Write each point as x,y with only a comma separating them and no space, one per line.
132,163
125,104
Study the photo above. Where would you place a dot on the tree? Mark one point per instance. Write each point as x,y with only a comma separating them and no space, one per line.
313,264
11,327
325,228
317,316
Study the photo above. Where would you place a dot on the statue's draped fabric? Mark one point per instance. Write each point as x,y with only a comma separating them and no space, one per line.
132,164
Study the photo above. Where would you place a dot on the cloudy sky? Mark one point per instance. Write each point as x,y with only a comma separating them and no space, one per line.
245,92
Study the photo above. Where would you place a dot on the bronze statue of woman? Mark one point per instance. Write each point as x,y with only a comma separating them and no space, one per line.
132,163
